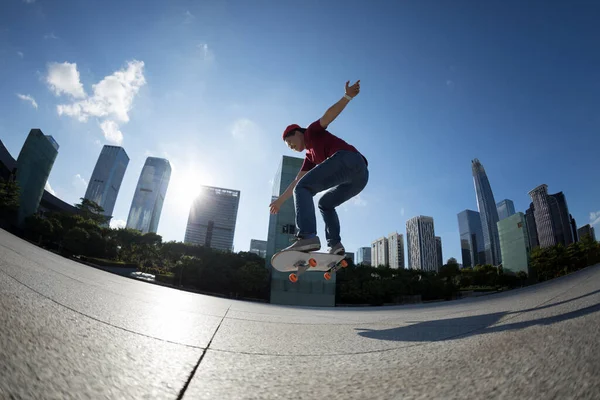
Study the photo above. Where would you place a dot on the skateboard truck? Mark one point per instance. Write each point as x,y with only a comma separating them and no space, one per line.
302,267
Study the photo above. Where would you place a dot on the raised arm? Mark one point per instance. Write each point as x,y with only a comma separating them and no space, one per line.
335,110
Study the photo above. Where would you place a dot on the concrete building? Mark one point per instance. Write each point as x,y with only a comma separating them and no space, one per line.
543,216
471,238
396,250
505,208
380,252
212,218
311,289
105,183
420,239
363,256
438,252
488,213
350,256
586,230
258,247
33,167
514,243
149,196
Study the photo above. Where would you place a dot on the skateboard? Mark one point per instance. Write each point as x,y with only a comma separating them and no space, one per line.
298,262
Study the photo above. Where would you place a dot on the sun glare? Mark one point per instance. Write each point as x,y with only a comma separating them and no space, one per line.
185,185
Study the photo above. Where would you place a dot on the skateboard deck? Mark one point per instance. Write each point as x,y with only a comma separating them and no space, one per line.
298,262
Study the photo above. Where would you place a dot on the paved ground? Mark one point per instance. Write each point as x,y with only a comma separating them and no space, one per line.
71,331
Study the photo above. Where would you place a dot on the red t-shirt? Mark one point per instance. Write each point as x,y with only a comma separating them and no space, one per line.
321,144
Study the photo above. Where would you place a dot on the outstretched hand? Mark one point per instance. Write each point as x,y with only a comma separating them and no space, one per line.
353,90
275,206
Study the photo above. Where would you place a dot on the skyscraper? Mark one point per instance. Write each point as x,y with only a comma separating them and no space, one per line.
149,196
396,250
212,218
471,238
505,208
311,289
531,227
34,164
363,256
488,213
574,228
561,219
438,252
380,252
107,177
586,230
514,243
258,247
420,240
543,216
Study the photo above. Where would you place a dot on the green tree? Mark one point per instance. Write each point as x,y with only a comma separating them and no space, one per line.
38,229
76,241
89,209
9,199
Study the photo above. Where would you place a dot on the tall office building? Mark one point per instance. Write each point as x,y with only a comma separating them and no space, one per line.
33,165
105,183
350,256
258,247
546,215
514,243
531,227
438,252
420,240
212,218
573,228
363,256
311,289
561,219
380,252
471,238
149,196
396,250
488,213
586,230
505,208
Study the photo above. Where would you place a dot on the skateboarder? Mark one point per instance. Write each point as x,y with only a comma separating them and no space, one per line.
330,163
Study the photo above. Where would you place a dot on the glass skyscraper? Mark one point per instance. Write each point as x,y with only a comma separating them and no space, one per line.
34,164
363,256
212,218
438,252
488,213
542,213
506,208
311,289
258,247
149,196
471,238
514,243
107,177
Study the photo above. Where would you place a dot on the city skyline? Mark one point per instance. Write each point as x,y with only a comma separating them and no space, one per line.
191,91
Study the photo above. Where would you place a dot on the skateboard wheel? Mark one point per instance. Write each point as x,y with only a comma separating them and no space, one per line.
312,262
344,263
327,275
293,277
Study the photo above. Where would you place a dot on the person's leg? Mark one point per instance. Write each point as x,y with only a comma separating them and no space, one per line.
336,196
332,172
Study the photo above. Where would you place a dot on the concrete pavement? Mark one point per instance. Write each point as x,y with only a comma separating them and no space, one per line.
71,331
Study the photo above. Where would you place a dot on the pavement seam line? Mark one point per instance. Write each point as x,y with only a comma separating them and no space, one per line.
99,320
189,380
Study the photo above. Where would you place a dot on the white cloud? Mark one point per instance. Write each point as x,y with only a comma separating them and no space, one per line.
117,223
402,211
49,189
113,96
28,98
111,132
595,218
29,1
207,54
50,36
189,18
79,181
20,54
64,78
245,129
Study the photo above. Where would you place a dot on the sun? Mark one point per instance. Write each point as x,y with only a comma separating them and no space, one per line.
185,185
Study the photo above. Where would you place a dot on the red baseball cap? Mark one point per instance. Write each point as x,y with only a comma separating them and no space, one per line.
289,129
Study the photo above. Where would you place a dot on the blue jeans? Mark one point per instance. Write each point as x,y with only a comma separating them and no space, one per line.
345,174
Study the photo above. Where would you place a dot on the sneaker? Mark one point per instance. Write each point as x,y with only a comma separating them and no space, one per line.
305,245
338,250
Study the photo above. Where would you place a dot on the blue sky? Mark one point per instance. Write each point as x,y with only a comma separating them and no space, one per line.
211,85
